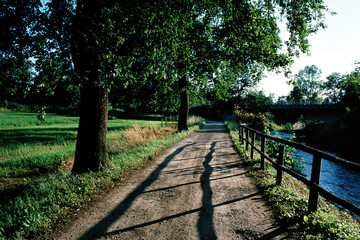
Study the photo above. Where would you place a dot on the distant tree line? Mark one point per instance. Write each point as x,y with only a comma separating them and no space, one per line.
336,89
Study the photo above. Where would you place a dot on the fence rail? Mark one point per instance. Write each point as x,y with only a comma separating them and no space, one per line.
313,182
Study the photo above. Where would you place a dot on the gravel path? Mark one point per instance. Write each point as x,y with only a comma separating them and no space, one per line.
197,189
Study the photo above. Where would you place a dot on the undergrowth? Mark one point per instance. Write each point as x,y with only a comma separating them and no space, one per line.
119,141
290,202
52,196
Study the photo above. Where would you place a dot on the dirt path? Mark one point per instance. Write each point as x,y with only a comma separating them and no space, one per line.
194,190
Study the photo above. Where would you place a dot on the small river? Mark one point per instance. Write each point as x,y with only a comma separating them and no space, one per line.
336,179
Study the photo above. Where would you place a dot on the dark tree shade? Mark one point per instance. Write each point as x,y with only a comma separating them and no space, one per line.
175,46
91,150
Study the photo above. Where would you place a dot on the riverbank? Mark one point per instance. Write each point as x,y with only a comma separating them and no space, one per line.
290,201
340,136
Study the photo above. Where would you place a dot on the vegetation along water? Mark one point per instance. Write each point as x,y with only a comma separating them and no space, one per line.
341,181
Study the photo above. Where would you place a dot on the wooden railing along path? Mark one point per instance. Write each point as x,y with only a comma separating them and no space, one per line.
313,182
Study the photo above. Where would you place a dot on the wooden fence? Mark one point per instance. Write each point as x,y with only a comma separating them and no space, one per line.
313,183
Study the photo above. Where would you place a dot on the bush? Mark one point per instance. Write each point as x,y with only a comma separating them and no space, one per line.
13,106
291,160
243,116
288,126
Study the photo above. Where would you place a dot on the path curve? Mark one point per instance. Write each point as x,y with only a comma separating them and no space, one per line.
196,189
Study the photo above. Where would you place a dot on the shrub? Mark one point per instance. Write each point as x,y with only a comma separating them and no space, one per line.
291,160
243,116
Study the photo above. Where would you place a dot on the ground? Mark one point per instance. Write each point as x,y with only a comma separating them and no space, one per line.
197,189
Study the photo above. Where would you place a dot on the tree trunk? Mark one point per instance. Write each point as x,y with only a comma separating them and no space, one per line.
91,150
184,104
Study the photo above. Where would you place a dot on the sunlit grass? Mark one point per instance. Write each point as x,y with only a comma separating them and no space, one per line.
36,185
19,119
22,134
30,148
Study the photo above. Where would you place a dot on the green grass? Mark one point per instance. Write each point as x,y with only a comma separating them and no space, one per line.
290,202
22,134
19,119
31,156
31,148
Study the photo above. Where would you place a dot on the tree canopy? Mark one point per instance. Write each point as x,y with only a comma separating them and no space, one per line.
333,88
308,83
159,48
351,87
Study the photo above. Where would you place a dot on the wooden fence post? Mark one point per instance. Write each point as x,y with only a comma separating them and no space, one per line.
247,139
315,178
241,134
280,162
253,144
263,152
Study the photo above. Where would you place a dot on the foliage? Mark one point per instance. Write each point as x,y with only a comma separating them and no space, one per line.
184,44
254,101
234,81
244,117
288,126
333,87
47,196
289,200
307,83
35,61
14,106
41,115
19,36
351,87
296,94
291,160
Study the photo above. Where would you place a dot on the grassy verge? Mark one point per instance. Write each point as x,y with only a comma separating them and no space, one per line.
289,201
30,148
46,190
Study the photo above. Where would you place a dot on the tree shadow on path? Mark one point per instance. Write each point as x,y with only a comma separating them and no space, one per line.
205,223
101,227
177,215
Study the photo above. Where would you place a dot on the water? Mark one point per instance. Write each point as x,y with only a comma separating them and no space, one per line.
336,179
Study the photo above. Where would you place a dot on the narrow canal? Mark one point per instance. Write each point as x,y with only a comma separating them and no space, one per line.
336,179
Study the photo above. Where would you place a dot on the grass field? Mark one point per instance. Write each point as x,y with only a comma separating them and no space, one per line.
36,186
29,147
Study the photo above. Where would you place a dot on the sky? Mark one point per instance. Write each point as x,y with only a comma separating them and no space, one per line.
334,49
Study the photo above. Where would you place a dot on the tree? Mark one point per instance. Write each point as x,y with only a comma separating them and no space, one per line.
230,83
182,45
186,40
257,101
351,86
110,39
307,80
20,23
91,150
190,50
241,34
333,88
53,66
150,96
296,94
35,51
